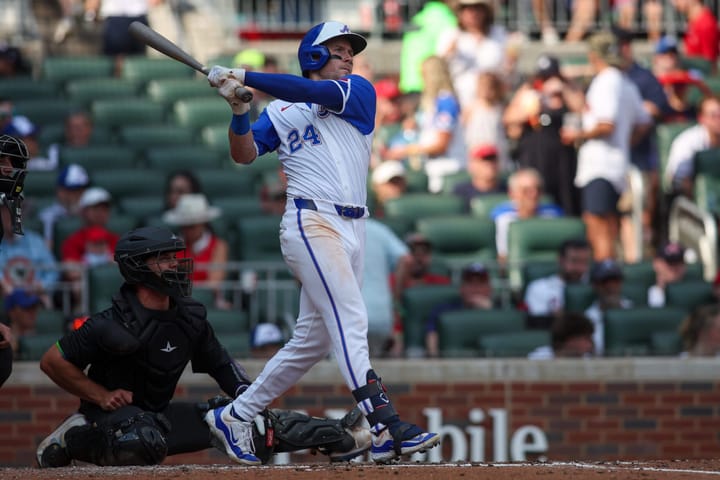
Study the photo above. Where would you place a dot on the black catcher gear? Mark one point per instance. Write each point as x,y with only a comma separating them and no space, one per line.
13,168
137,246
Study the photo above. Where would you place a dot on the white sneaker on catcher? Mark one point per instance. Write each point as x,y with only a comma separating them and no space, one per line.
235,436
51,451
384,450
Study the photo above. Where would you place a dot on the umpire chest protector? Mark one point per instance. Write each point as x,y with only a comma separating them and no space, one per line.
148,350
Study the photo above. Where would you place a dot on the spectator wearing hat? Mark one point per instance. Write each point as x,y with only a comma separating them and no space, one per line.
700,332
571,336
534,117
525,188
477,45
72,181
93,243
12,62
680,170
484,170
265,340
193,215
26,262
383,253
476,292
388,182
613,116
606,278
482,120
21,307
670,267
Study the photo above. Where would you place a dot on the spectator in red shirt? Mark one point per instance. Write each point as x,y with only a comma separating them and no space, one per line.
92,244
702,36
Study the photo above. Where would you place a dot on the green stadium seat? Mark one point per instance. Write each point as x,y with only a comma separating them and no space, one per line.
228,321
689,294
707,162
697,63
578,297
706,193
167,91
538,239
665,343
87,90
142,207
417,181
257,170
450,181
629,331
640,273
55,133
413,206
168,158
128,182
100,157
238,206
538,269
26,88
118,113
482,205
144,69
201,112
50,322
145,137
60,70
250,230
215,137
459,240
46,111
32,347
459,332
221,182
416,304
103,282
41,184
513,344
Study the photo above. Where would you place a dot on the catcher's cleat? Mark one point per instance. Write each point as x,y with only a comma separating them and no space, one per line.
235,435
386,448
51,452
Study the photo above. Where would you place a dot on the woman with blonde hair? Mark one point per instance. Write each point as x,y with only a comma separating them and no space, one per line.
441,145
700,332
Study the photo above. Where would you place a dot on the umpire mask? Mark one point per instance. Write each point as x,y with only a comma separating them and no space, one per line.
139,250
13,168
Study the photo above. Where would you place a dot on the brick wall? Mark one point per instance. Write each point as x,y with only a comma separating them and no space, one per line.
487,410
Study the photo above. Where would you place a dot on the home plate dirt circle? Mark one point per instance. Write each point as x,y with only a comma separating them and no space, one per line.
660,470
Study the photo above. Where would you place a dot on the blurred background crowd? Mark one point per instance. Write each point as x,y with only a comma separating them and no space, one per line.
543,180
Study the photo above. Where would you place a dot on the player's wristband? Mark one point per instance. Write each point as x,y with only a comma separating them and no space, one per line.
240,124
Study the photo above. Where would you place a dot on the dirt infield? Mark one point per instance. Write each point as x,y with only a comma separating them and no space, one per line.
660,470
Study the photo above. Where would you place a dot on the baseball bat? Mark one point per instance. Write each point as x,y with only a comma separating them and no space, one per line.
154,40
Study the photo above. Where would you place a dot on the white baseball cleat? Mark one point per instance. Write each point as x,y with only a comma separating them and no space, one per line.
235,436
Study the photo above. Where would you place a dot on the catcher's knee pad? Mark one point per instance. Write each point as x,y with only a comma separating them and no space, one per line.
136,440
383,411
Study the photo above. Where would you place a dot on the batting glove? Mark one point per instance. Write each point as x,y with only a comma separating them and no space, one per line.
218,75
227,90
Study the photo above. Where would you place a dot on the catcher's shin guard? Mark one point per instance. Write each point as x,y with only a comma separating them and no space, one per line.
340,439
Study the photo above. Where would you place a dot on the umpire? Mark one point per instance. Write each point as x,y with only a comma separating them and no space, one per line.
137,350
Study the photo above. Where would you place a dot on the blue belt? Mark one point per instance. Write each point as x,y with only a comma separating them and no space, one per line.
343,211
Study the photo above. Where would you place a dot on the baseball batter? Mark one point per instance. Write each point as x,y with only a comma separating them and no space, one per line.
322,128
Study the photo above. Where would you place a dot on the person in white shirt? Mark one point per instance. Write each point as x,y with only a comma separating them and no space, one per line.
706,134
607,281
613,116
545,297
669,265
571,337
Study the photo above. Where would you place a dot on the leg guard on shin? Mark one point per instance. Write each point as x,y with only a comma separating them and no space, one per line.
383,413
137,440
333,437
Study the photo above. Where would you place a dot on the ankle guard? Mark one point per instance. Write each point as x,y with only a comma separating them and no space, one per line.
383,411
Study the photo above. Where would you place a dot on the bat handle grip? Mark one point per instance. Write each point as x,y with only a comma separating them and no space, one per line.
244,94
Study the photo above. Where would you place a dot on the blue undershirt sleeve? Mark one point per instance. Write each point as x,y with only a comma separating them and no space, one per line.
292,88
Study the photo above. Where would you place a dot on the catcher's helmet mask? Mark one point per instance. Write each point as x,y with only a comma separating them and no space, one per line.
313,55
135,247
13,169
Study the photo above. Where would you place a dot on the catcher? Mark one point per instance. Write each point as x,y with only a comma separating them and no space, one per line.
137,350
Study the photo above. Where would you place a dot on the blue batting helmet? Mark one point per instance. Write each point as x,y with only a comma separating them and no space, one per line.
313,55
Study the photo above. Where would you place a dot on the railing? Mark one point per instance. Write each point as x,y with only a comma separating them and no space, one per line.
695,228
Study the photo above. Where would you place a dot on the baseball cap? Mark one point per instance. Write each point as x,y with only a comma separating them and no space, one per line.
387,88
484,150
474,2
672,253
21,298
21,126
73,177
417,238
607,269
474,269
666,44
250,58
94,196
266,334
547,66
605,45
623,35
388,170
